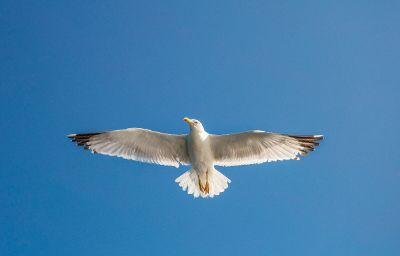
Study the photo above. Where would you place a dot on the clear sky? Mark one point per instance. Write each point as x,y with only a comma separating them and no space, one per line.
297,67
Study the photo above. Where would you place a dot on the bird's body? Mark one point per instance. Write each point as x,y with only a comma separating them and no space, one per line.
202,160
200,149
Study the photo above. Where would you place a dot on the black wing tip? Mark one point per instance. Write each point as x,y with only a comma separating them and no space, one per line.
71,135
319,137
81,139
308,137
83,135
307,142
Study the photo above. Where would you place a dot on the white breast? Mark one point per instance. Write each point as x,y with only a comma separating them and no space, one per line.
200,151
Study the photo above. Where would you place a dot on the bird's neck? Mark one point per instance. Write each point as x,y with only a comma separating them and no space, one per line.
202,135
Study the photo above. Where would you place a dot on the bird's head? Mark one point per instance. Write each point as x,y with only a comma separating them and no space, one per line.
194,124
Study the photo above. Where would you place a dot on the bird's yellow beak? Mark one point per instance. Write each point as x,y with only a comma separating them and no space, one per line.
188,120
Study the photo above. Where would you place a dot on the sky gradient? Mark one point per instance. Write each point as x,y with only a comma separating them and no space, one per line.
307,67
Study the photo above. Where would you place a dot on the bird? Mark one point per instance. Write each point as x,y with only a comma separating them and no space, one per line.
201,150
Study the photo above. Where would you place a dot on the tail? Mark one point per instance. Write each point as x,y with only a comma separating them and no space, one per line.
189,181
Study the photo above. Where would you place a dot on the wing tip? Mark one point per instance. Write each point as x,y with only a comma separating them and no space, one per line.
307,144
319,137
307,138
82,139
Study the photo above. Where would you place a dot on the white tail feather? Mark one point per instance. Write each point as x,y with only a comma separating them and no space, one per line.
190,181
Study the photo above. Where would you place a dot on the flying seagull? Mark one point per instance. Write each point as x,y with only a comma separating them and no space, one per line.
200,149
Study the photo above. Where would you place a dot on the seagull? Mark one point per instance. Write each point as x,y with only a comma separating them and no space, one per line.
201,150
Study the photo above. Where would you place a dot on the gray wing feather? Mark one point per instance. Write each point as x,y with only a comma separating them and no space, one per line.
254,147
137,144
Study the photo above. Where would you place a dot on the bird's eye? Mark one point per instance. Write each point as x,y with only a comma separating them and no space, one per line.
196,122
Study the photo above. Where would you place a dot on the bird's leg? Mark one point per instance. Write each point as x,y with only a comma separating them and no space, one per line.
201,186
207,187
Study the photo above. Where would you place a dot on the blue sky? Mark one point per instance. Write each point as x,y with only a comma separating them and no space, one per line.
299,67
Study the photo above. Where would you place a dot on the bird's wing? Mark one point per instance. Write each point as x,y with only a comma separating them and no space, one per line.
254,147
137,144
